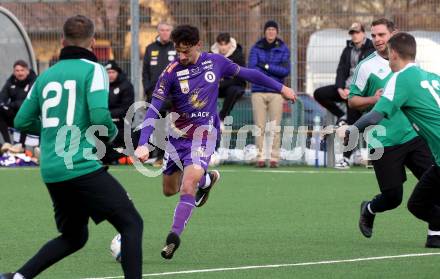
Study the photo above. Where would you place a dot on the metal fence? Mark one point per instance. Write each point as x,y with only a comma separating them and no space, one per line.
315,30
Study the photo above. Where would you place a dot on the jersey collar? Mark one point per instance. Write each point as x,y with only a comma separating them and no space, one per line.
74,52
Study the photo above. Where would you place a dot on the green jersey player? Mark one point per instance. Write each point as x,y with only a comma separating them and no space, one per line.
67,105
416,93
401,146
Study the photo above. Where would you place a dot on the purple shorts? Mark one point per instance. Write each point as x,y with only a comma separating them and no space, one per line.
182,152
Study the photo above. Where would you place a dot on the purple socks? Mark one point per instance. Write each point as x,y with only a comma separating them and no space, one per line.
182,213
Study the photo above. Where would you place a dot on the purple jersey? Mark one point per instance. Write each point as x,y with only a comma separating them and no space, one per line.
193,91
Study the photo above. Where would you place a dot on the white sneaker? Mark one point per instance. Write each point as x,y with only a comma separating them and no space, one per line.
343,164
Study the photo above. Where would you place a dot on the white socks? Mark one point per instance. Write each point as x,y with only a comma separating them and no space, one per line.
433,232
207,181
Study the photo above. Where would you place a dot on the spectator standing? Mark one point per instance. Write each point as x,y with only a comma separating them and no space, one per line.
12,95
271,56
157,56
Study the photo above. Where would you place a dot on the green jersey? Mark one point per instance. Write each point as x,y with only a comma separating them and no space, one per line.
372,74
60,105
415,92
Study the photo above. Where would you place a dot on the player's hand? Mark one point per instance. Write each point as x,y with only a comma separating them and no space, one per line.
343,93
142,153
288,93
377,94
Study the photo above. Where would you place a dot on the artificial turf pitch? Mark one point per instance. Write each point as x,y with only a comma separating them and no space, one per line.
291,222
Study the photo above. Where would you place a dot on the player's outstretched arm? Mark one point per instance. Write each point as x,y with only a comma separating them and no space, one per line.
142,152
256,77
371,118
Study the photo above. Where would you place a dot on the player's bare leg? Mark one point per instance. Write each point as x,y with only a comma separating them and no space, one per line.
171,183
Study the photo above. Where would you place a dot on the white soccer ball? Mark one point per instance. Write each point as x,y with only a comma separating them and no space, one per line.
115,248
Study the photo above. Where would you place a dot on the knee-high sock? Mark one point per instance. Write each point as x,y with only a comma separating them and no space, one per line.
182,213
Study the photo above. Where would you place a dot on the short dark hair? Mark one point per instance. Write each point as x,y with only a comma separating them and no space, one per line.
78,30
223,38
21,63
404,44
383,21
185,35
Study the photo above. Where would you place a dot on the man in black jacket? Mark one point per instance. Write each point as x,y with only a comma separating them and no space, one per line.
121,97
230,88
157,56
12,95
357,49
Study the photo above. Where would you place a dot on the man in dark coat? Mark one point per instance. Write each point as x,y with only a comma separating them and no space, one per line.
12,95
121,97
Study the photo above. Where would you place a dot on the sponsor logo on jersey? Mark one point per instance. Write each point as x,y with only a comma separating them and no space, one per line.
195,101
210,76
207,62
208,67
195,71
200,114
182,73
184,86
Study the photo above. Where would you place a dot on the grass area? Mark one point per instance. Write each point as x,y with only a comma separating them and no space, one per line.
253,218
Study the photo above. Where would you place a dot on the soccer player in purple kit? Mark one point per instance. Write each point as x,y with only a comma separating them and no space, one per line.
192,82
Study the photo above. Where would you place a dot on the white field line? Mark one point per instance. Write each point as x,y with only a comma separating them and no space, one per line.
327,262
293,171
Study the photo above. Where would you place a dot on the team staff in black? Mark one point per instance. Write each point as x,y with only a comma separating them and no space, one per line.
120,98
12,95
157,56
